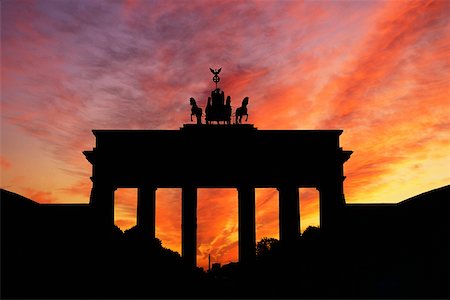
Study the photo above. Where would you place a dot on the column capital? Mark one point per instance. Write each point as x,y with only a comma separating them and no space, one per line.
245,186
106,185
332,183
287,186
148,187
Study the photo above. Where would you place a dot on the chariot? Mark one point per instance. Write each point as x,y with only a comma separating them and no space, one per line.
217,108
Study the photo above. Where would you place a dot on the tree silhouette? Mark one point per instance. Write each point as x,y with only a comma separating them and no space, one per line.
311,232
265,245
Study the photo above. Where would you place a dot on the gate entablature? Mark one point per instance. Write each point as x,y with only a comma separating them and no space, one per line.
216,156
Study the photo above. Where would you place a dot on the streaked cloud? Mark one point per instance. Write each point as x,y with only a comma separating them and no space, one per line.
377,69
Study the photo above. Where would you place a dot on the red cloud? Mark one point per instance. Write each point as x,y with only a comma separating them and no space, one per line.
40,196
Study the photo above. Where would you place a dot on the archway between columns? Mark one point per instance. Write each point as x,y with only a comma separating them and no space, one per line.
217,226
309,208
267,219
168,217
125,208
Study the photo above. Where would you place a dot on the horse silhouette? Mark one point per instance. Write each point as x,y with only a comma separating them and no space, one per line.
242,111
196,111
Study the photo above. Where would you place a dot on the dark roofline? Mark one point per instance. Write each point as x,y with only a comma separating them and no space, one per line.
427,194
13,195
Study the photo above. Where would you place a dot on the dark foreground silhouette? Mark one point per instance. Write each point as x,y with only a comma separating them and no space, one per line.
381,251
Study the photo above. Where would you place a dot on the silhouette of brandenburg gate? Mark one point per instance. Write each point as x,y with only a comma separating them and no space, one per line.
219,156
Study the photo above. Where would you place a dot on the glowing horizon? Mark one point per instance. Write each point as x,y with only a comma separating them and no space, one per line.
379,70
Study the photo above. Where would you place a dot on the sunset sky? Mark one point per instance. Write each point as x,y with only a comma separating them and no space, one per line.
379,70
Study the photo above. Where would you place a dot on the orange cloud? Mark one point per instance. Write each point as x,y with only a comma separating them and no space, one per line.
168,218
5,164
391,111
40,196
80,188
378,70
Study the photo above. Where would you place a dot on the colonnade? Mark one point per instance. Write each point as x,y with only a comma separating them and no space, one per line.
289,216
288,213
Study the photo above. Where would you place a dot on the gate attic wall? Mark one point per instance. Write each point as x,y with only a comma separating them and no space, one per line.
202,156
209,156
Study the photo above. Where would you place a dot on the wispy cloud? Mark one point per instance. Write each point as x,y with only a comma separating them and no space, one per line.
379,70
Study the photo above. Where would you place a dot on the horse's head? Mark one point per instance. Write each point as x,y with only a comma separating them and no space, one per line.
192,101
245,101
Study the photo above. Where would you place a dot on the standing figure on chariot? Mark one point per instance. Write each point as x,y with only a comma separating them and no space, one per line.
216,110
218,97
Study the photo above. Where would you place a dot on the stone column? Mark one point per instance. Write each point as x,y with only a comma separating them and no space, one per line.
102,203
247,230
331,190
189,225
146,210
332,204
289,213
